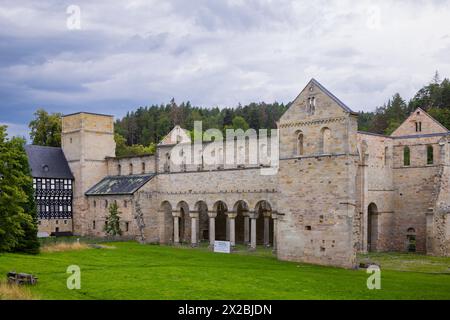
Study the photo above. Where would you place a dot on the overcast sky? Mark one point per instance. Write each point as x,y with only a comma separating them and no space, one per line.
128,54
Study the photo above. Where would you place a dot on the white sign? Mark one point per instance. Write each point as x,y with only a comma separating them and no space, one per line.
222,246
43,235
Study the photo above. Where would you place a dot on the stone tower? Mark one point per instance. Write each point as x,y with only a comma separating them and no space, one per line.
318,166
86,139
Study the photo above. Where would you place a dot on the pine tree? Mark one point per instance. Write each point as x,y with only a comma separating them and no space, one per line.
112,226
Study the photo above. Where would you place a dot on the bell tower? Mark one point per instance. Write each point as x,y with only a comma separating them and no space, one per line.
87,139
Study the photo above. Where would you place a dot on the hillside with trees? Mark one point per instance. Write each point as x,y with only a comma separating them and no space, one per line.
433,98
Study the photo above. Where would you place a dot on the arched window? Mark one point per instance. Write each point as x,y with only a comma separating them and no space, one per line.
95,203
299,144
406,156
119,169
325,141
411,240
131,168
386,157
106,203
430,159
143,167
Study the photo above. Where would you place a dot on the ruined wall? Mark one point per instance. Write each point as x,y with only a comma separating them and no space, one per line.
318,202
131,165
49,225
438,215
414,186
171,191
376,188
98,210
419,122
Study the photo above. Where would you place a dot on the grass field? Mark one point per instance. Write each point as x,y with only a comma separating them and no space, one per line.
133,271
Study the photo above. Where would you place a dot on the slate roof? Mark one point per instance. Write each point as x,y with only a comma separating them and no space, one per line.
47,162
119,185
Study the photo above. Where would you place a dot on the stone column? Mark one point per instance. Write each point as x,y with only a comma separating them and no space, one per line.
176,227
246,227
253,217
275,231
232,227
227,228
194,234
267,215
212,227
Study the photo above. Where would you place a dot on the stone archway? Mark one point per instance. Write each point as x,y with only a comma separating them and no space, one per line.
242,227
372,227
184,226
167,230
264,223
221,221
203,221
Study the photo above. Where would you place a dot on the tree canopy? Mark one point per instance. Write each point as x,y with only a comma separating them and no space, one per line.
46,129
18,222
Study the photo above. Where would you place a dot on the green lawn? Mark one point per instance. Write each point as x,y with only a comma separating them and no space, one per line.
134,271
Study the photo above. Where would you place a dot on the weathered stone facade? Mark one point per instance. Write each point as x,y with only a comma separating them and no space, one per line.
336,191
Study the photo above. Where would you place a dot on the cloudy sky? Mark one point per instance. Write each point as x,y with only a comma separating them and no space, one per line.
124,54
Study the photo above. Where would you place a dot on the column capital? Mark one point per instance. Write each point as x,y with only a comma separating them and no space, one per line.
244,212
212,214
176,213
267,213
253,215
193,215
232,215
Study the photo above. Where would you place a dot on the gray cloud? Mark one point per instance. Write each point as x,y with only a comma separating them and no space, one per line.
135,53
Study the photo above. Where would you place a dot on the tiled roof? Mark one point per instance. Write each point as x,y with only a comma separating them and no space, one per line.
119,185
47,162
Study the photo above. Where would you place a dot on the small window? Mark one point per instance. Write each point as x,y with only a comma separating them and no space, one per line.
93,224
95,204
386,151
418,126
131,168
125,203
119,169
406,156
430,159
411,240
300,138
325,141
143,167
127,225
106,203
